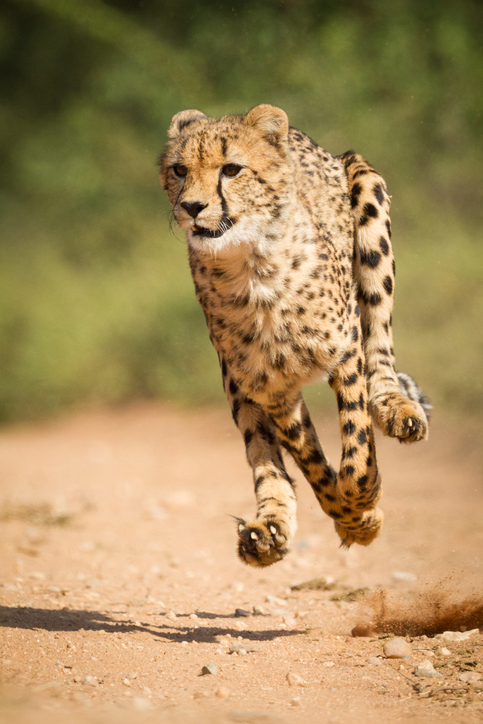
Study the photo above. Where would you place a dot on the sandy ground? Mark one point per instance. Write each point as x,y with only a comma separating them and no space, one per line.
119,580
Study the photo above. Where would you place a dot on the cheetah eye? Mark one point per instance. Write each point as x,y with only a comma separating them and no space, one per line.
231,169
180,170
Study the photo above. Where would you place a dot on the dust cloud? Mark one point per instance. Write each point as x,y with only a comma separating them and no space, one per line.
447,605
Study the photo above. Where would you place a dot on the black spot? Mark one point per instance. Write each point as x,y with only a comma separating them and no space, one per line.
362,481
349,428
362,437
235,410
388,227
351,380
347,356
350,452
248,436
233,387
356,190
258,482
279,361
314,457
370,259
370,210
388,285
294,431
223,368
265,433
384,245
344,405
354,334
358,311
379,193
349,470
372,299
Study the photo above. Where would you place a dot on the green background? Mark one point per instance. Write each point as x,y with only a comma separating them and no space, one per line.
96,301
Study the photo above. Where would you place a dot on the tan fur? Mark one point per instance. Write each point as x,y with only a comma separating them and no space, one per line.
290,253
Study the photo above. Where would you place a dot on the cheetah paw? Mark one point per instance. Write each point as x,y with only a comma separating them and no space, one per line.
263,542
402,418
366,531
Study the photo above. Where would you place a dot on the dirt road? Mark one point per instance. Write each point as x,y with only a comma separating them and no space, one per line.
119,581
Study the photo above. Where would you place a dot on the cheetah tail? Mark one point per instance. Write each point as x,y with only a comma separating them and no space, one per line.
398,406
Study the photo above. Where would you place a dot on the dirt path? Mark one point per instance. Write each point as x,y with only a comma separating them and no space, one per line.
119,581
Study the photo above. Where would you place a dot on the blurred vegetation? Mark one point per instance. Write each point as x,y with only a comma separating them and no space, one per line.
96,302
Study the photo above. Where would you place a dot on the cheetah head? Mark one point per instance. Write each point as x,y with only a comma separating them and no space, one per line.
227,178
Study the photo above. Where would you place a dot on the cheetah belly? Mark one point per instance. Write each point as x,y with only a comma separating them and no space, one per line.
269,353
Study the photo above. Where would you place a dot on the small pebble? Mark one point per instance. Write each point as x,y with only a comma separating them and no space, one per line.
200,695
193,616
126,682
209,669
397,648
245,647
274,601
222,692
374,661
289,621
329,664
294,679
296,701
90,681
469,677
456,635
258,611
240,612
171,616
426,669
240,626
444,651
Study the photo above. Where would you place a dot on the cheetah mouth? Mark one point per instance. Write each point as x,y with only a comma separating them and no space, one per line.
225,224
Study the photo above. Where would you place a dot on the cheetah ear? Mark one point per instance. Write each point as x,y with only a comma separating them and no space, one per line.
271,121
183,119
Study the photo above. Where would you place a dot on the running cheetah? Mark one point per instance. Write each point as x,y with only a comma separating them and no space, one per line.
290,253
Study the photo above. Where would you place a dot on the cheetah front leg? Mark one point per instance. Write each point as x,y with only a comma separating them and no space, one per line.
349,498
266,539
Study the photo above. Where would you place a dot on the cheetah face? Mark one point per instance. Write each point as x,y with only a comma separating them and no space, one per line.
227,178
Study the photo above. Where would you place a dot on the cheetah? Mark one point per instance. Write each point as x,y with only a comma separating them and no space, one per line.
290,253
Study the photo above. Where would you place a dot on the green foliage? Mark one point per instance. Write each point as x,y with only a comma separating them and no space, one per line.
96,302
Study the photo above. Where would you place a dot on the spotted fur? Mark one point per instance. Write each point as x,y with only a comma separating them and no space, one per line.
291,257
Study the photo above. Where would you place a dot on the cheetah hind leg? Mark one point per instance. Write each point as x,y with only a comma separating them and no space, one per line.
405,414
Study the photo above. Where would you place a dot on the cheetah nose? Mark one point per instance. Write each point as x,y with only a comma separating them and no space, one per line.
193,207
